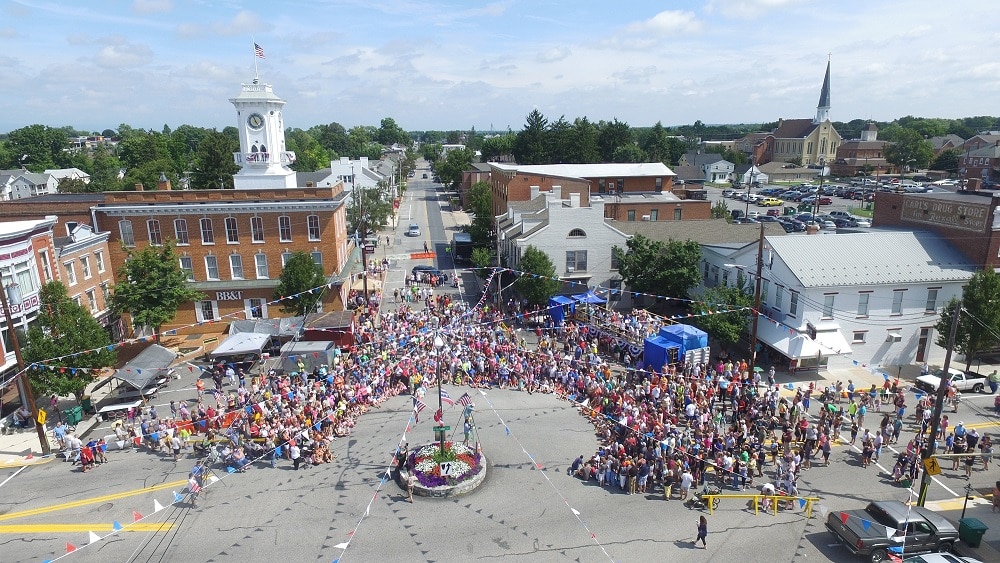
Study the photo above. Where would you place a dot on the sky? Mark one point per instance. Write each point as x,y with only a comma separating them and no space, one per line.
458,64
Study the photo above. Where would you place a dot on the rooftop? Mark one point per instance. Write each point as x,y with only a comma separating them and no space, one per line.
862,258
708,231
602,170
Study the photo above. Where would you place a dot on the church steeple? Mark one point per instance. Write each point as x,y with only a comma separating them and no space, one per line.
823,108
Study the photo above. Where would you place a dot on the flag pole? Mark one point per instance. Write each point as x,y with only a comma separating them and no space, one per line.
253,47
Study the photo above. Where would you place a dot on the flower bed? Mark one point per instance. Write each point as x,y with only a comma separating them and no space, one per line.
426,461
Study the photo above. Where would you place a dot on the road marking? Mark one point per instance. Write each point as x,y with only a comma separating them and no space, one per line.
12,476
992,424
93,500
82,528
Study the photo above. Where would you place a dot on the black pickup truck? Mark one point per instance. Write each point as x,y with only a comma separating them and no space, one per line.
890,524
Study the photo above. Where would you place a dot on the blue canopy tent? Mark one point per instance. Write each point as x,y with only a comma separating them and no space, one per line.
686,336
590,298
557,308
656,352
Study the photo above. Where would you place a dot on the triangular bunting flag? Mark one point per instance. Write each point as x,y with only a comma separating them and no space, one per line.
843,517
575,511
121,444
865,524
116,526
802,503
177,497
157,506
342,545
212,479
29,456
507,430
888,533
92,537
70,548
136,516
231,469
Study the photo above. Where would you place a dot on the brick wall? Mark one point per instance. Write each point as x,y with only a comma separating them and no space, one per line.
690,210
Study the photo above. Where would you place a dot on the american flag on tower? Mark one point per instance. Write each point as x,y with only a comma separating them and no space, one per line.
259,51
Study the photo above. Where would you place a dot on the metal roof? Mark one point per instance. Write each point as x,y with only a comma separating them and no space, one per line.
705,231
602,170
875,258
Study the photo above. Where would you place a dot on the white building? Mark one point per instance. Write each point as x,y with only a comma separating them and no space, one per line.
847,299
21,244
576,238
263,159
17,184
71,173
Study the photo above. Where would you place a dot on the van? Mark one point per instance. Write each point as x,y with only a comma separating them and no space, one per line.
841,214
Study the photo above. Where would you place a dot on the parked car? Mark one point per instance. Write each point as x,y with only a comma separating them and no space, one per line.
728,193
862,222
863,532
770,202
767,219
843,223
745,221
960,380
774,212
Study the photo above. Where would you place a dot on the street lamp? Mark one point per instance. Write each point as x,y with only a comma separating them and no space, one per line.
438,353
13,293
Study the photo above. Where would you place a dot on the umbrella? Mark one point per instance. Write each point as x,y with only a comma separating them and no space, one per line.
757,369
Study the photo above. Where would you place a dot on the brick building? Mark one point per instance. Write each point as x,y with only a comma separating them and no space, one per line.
968,220
83,264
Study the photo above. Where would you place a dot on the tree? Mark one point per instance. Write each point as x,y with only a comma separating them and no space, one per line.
105,170
450,170
725,327
531,145
482,258
979,322
947,161
389,133
629,153
368,206
721,211
431,152
656,143
300,275
537,280
69,185
309,154
910,150
481,207
498,148
152,287
36,146
665,269
612,135
63,330
213,162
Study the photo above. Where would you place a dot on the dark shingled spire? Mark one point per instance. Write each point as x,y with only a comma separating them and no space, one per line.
824,95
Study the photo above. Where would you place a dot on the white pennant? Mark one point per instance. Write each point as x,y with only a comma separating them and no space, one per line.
157,506
93,537
575,511
342,545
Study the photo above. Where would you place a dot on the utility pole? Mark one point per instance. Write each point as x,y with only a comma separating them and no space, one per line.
29,394
756,298
931,445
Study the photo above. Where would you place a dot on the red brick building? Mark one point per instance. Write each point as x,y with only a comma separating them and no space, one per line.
967,220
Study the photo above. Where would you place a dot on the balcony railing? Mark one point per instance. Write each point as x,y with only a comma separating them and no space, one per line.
263,158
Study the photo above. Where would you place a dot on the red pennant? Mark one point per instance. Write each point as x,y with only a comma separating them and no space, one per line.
70,548
315,354
191,369
30,456
136,516
350,534
843,517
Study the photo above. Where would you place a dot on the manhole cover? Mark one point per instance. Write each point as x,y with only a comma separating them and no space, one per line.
105,507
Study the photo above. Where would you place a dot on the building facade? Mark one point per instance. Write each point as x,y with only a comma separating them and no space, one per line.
263,161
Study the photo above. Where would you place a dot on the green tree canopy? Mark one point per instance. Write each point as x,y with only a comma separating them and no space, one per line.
300,275
909,150
389,132
947,161
213,162
979,322
659,268
481,207
38,146
531,144
536,290
65,328
151,287
450,169
727,328
369,206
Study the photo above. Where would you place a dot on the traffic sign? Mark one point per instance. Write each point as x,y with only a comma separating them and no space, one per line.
442,428
932,466
369,248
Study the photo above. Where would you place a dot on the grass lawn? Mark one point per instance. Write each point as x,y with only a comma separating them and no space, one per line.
861,212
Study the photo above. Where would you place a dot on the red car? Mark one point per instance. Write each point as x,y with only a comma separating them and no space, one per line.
823,200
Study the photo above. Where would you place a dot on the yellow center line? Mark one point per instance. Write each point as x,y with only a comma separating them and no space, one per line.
983,424
81,528
89,501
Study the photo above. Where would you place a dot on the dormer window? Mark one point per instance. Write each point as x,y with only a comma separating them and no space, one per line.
577,233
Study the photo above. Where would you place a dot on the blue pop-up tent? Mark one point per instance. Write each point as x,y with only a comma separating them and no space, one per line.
686,336
590,298
557,311
655,351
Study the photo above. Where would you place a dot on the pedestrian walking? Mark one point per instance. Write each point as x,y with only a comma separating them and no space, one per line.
702,532
410,482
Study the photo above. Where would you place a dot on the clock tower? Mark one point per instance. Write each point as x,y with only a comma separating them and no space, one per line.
262,158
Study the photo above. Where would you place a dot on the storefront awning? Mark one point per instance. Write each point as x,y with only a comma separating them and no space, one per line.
788,342
833,343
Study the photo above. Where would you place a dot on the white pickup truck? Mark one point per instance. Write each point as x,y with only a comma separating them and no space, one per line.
961,380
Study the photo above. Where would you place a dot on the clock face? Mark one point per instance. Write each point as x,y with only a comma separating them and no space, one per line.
255,121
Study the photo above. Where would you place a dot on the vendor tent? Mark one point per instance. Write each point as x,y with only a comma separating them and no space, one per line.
590,298
312,354
142,371
282,328
687,336
557,308
658,351
242,344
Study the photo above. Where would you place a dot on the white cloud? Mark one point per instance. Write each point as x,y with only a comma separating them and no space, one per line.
243,23
151,6
8,33
123,55
747,9
666,23
555,54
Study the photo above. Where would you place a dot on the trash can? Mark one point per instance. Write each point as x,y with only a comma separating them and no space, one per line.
971,531
86,404
73,415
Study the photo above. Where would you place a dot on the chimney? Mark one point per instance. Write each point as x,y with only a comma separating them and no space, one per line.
309,184
345,160
574,200
534,193
364,162
163,184
139,188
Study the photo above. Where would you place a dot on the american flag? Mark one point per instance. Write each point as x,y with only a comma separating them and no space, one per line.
259,51
418,405
465,400
446,398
